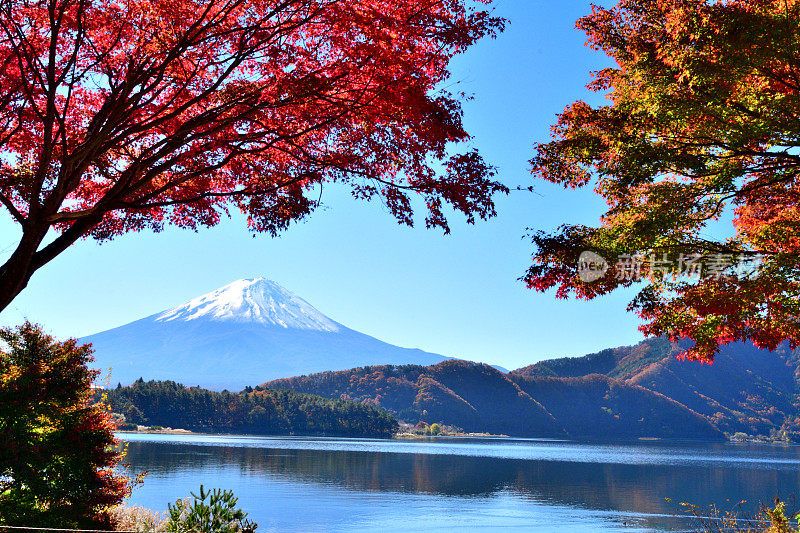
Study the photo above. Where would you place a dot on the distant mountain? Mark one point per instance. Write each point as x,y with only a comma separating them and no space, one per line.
745,390
479,398
244,333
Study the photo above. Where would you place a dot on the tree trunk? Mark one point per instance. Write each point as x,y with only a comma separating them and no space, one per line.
29,257
19,268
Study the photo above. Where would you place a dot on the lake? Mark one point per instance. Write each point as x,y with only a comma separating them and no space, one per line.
328,484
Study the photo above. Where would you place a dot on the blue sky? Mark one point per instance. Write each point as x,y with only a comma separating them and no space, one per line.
457,295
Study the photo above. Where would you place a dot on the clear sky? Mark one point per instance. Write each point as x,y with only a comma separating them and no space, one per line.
457,295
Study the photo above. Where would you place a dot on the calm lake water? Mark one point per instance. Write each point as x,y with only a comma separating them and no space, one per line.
326,484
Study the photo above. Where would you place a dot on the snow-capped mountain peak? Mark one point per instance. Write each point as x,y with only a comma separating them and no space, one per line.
247,332
256,300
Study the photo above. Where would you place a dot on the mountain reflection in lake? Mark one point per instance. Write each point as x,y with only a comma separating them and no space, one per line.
307,484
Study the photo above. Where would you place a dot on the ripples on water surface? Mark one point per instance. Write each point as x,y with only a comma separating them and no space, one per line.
325,484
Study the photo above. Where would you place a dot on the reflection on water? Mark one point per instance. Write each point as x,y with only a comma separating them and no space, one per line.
335,484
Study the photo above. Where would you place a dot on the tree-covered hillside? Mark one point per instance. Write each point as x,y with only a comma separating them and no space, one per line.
479,398
261,411
453,392
627,392
745,389
596,406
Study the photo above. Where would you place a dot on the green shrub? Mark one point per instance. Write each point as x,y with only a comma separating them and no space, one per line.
211,511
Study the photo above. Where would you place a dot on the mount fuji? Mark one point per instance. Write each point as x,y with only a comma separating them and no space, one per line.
247,332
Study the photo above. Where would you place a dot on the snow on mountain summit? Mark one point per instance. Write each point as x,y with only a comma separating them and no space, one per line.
256,300
247,332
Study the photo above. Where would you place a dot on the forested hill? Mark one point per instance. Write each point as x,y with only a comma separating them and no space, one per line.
468,395
260,411
479,398
628,392
745,390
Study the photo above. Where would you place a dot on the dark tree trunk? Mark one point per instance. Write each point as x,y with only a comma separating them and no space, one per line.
29,257
18,269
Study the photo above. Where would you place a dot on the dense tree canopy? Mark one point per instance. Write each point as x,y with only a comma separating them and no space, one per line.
117,116
259,410
700,130
58,451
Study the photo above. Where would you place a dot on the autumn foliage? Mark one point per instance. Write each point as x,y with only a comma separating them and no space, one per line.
119,115
59,450
696,154
479,398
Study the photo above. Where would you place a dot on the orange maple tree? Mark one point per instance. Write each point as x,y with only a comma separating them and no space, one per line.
701,128
119,115
59,453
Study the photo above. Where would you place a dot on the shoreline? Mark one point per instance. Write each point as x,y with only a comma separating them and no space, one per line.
398,436
421,438
163,431
415,436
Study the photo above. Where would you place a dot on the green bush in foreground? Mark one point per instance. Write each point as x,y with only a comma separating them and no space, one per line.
211,511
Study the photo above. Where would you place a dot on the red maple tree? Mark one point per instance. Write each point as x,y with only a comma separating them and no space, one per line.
119,115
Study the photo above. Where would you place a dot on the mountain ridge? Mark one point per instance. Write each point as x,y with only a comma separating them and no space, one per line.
636,391
746,389
478,398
